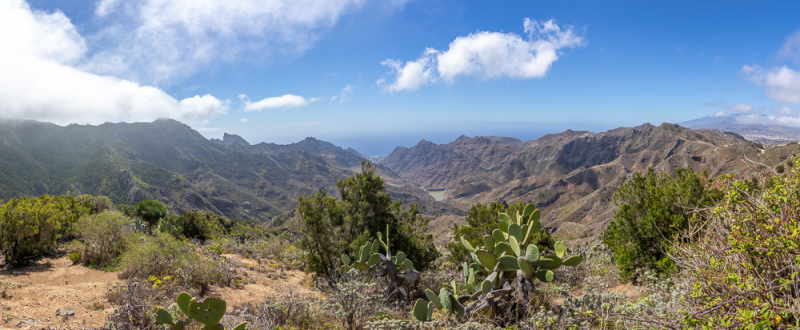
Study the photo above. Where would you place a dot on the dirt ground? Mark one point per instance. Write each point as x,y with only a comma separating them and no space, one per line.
33,294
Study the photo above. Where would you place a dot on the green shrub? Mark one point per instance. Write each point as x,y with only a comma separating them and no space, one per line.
29,227
334,227
103,237
202,225
653,208
162,255
743,269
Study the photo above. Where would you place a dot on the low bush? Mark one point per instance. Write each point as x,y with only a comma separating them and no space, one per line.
162,255
103,238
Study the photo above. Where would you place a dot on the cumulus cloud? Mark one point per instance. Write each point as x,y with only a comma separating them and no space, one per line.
42,77
741,107
166,40
278,102
781,84
721,114
486,55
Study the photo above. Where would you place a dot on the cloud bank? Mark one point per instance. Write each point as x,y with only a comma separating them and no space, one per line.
43,77
160,41
278,102
486,55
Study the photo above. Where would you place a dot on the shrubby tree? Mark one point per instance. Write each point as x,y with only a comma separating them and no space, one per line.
481,220
151,211
334,227
654,208
29,227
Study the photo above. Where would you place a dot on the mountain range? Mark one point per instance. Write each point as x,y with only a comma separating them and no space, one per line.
571,175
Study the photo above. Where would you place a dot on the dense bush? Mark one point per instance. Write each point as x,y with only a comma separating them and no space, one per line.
161,255
652,209
29,227
481,220
743,269
334,227
103,237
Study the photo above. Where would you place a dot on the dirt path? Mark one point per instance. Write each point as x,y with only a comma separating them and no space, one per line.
33,294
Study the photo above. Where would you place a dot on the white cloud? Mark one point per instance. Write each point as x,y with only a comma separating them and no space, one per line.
741,107
41,78
244,120
486,55
768,120
721,114
279,102
781,84
346,90
791,49
785,111
167,40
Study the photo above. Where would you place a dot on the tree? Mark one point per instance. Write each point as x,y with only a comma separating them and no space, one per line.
654,208
151,211
334,227
481,220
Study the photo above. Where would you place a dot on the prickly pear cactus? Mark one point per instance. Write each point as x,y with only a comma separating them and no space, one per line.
168,228
512,260
402,278
207,312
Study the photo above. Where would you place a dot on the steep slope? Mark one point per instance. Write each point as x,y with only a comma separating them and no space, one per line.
163,160
168,161
571,175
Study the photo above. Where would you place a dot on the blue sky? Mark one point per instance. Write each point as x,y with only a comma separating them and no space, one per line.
377,74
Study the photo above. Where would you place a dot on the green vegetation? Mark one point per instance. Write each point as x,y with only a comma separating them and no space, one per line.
402,279
151,211
742,272
512,259
334,227
654,208
208,312
102,238
30,227
481,220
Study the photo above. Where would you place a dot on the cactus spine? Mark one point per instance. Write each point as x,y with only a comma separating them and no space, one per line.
207,312
401,276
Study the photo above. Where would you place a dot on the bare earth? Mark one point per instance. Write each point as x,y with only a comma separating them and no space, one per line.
33,294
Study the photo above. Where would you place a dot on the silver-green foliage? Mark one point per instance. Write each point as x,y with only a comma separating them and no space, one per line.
512,261
207,312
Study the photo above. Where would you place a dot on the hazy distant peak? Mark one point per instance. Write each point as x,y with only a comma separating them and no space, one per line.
234,140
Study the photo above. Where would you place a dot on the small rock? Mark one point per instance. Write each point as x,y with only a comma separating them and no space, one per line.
66,312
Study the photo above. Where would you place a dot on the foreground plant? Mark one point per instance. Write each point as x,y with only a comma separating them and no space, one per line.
743,269
207,312
399,271
512,260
